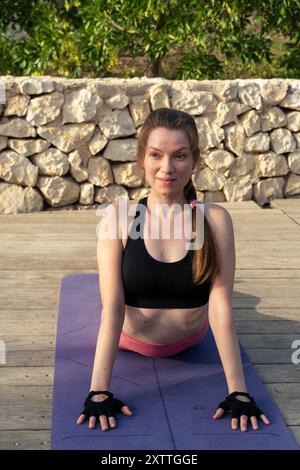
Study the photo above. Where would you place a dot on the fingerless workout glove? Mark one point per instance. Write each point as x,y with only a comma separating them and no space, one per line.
238,407
106,407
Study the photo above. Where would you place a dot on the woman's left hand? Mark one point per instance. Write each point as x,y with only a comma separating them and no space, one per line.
242,406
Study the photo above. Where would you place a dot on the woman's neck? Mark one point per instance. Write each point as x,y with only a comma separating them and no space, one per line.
158,206
153,199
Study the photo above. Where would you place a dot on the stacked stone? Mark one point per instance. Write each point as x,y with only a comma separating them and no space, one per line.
72,144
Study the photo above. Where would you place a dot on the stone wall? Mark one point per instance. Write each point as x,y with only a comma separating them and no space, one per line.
72,143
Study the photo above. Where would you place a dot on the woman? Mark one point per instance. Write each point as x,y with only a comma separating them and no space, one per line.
155,292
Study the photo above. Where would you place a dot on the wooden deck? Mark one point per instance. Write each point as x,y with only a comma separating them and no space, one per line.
38,249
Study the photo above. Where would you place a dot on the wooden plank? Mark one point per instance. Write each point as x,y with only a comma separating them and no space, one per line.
264,249
262,341
252,210
48,216
29,302
264,218
36,300
260,234
282,289
83,227
287,398
269,283
47,249
30,358
41,283
286,203
262,314
25,439
240,205
263,273
77,261
42,230
284,391
29,329
38,394
27,407
38,274
15,376
295,431
271,302
269,327
27,343
49,237
29,416
295,218
263,213
278,373
269,356
32,316
249,257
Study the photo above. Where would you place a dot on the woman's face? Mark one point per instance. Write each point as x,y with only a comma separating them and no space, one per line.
168,156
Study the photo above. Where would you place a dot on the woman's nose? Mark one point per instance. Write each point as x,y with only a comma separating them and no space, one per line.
167,166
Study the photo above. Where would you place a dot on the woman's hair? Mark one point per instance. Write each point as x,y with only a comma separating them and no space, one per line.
205,261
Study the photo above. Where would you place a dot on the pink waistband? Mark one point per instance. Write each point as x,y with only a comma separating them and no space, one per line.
161,350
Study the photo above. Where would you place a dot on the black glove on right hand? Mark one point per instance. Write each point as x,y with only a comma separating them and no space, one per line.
107,407
238,407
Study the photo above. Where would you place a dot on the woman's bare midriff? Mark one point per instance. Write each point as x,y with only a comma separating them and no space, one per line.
162,325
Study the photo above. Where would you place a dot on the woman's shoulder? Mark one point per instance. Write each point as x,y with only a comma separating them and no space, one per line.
212,206
214,211
218,216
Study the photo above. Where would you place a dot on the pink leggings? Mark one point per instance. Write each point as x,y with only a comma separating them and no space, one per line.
161,350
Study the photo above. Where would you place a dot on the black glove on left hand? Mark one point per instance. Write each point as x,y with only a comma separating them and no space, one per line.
238,407
107,407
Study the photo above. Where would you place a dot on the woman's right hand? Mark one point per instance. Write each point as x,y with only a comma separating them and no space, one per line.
102,405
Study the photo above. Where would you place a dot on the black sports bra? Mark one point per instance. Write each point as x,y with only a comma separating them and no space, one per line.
150,283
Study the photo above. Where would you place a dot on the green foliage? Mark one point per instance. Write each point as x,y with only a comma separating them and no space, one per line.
176,39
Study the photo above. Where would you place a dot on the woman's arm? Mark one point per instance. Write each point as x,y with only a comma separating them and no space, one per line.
223,327
107,346
109,259
220,300
229,351
97,405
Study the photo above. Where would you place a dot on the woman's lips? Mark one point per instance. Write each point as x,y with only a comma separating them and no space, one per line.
163,180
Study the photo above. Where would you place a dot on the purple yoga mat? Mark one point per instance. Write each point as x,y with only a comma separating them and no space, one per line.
173,398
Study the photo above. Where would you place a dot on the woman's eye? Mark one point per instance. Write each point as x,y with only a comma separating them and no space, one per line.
156,155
